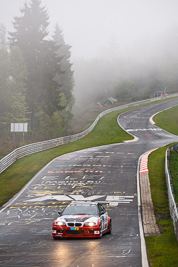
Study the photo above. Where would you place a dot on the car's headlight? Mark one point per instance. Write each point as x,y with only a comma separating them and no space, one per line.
90,224
60,223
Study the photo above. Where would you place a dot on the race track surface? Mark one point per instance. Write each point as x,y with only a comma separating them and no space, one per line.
105,174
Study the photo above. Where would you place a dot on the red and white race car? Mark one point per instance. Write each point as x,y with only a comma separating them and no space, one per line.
82,219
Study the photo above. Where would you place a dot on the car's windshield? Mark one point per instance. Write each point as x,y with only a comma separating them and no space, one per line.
80,209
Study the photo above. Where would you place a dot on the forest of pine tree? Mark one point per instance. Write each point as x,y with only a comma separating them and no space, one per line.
36,78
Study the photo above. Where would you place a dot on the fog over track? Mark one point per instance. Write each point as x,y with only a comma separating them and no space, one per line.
94,27
118,48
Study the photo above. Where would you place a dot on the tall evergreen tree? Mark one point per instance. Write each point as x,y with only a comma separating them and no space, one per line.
64,76
17,80
30,33
13,74
4,72
4,92
3,42
49,85
4,89
50,79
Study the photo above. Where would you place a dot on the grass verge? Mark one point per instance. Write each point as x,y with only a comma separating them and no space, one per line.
173,166
162,249
168,120
17,175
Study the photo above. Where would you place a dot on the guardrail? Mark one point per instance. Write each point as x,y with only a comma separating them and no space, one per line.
172,204
45,145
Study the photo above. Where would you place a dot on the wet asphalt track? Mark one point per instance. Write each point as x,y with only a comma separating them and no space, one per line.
107,173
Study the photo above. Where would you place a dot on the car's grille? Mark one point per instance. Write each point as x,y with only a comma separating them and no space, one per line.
74,232
70,224
78,224
74,224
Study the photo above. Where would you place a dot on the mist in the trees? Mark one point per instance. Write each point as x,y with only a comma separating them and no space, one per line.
87,50
36,80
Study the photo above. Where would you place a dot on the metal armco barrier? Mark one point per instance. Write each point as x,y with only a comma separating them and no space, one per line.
45,145
172,204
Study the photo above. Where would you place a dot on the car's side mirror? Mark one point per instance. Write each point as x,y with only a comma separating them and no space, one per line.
60,212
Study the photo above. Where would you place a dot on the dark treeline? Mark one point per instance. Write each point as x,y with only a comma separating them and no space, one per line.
36,79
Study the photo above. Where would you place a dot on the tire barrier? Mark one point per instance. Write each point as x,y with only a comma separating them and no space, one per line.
45,145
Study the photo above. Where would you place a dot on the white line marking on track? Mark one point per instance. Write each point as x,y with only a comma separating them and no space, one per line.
107,166
102,156
144,130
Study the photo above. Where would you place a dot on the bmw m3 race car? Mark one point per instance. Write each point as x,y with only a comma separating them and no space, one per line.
82,219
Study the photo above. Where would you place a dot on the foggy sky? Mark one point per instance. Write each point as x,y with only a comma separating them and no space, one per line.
90,26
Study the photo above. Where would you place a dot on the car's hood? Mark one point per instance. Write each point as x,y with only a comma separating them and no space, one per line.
77,218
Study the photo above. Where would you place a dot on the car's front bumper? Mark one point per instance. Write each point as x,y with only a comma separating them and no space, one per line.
75,232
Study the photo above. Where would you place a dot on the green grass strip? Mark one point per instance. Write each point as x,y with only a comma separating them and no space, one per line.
168,120
162,249
173,166
16,176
